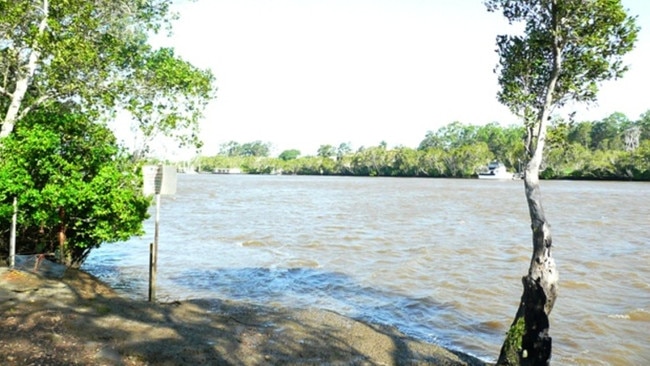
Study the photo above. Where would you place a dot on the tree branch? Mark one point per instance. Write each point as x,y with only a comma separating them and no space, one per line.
28,109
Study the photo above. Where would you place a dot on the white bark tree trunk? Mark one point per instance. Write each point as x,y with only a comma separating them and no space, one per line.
24,78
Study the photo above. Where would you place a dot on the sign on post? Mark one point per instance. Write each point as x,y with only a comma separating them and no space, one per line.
158,180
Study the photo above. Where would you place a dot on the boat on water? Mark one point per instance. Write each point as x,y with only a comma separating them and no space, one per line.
496,170
227,171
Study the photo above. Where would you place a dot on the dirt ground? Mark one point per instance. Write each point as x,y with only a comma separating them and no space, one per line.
78,320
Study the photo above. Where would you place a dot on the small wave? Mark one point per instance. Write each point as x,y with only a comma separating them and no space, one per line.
640,314
634,315
593,264
302,263
576,285
518,259
592,327
491,326
465,251
253,244
313,245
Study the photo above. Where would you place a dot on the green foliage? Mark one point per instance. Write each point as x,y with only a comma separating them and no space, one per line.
255,148
513,342
505,144
637,163
644,125
231,148
607,134
343,150
70,178
566,50
261,165
95,54
568,155
581,133
468,160
289,154
314,165
168,95
432,162
326,151
209,164
372,161
587,39
405,163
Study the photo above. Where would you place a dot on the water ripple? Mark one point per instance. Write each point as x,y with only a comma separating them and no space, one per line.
440,259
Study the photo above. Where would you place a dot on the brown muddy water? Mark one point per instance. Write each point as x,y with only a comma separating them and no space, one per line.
440,259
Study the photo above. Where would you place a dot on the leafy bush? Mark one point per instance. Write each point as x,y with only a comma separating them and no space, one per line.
76,188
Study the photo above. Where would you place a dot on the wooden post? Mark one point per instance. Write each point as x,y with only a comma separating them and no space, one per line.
152,274
154,184
12,236
153,253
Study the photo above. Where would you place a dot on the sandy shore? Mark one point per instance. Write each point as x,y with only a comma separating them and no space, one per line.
78,320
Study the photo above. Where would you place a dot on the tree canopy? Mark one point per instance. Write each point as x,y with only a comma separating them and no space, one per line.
254,148
289,154
95,54
68,67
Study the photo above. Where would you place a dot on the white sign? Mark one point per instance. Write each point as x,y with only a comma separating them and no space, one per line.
159,179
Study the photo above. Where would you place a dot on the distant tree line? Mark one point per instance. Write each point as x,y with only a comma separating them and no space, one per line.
614,148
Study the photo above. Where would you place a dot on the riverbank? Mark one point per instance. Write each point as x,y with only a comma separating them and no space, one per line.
78,320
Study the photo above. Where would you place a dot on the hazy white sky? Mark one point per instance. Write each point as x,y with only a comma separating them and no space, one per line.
304,73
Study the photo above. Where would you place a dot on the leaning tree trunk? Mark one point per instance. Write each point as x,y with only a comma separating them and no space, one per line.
528,341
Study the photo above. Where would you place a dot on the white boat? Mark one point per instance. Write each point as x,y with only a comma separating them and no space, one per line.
496,170
227,171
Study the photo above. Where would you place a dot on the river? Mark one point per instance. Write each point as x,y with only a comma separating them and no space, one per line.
440,259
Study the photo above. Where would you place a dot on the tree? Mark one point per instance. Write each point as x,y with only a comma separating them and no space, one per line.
256,148
343,150
494,136
513,152
326,151
457,134
467,160
607,134
405,162
231,148
644,124
581,133
431,141
432,162
638,162
567,48
76,189
95,54
631,136
372,161
289,154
